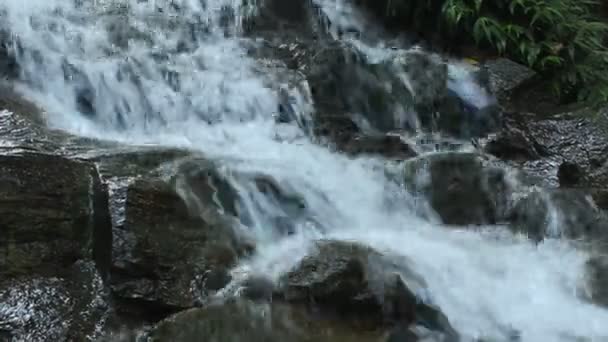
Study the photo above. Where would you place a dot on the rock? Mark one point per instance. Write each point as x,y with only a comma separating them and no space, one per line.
388,146
569,174
427,76
276,16
177,244
289,209
515,142
9,68
576,139
257,289
506,76
239,320
71,306
540,145
469,109
53,211
459,188
355,282
118,162
600,197
597,277
343,82
559,213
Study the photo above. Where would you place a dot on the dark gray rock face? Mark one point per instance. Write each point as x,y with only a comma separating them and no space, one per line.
53,211
559,213
236,321
515,141
71,305
568,150
356,282
343,82
174,248
55,248
8,65
459,188
505,76
275,16
388,146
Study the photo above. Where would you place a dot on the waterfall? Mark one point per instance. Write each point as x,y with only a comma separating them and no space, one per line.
179,73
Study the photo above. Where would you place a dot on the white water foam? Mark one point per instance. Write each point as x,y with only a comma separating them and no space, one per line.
488,284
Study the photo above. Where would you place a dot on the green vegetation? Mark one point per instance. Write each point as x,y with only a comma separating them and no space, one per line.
564,40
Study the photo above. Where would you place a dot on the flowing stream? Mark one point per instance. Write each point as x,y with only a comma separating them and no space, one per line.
177,73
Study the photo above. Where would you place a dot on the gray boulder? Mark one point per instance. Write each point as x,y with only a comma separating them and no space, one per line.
70,305
240,320
557,213
177,243
53,212
353,281
459,187
506,76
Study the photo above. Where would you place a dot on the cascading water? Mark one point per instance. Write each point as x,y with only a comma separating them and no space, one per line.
177,73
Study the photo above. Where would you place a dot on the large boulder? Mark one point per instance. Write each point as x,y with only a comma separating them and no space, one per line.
514,141
506,76
559,213
71,305
343,82
459,187
352,281
177,243
55,248
53,211
469,109
239,320
567,150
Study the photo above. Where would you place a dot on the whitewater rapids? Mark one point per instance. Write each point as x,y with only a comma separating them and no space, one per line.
489,283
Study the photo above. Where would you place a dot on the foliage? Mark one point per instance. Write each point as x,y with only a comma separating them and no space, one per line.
561,39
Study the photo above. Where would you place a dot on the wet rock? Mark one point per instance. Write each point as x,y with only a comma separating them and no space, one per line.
355,282
285,209
459,187
427,75
576,139
248,321
277,15
597,277
257,289
506,76
567,150
176,244
69,306
469,109
342,82
9,69
53,211
388,146
515,142
559,213
600,197
134,162
569,174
